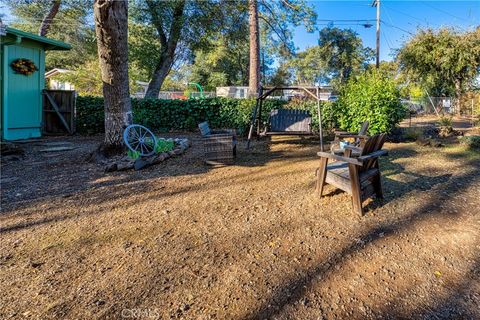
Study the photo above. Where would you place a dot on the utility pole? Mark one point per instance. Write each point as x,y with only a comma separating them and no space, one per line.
376,3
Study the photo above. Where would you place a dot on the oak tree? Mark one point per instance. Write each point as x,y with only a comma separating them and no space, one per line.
444,61
111,27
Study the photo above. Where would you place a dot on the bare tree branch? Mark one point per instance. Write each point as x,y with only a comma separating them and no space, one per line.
157,21
285,2
47,20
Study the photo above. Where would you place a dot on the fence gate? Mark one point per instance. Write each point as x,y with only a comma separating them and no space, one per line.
59,111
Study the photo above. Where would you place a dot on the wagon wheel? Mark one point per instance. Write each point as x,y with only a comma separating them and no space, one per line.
140,139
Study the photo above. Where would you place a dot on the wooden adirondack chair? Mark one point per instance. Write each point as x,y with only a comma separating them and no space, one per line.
359,177
359,139
220,145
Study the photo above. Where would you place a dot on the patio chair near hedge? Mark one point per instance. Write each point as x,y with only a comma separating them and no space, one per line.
220,145
358,140
359,177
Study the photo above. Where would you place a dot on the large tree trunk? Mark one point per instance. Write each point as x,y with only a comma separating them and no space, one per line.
168,42
159,75
111,18
254,75
47,20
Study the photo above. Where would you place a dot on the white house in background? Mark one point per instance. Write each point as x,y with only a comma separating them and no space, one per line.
56,84
232,92
326,93
141,89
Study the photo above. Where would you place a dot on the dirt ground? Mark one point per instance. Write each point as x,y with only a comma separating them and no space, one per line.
461,123
183,240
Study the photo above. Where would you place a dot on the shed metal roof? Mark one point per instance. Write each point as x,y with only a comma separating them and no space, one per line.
50,44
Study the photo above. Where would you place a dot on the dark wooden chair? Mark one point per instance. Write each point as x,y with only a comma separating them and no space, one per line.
359,177
359,140
220,145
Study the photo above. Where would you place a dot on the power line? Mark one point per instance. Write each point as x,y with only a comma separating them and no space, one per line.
346,20
443,11
341,24
447,13
393,26
404,13
388,14
386,40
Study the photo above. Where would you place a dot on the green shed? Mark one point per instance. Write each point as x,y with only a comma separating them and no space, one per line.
22,79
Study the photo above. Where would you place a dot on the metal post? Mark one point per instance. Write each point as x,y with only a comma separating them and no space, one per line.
259,115
473,118
433,105
377,54
319,119
252,124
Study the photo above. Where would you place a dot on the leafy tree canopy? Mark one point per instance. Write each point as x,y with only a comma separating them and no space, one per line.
444,62
339,54
72,25
277,18
225,60
225,65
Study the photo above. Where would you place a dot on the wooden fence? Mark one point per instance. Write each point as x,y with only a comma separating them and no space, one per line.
59,111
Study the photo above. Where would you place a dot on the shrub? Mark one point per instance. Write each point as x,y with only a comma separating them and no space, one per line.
445,124
445,121
472,142
133,154
164,145
164,115
371,97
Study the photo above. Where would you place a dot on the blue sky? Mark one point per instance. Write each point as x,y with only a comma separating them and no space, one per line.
400,17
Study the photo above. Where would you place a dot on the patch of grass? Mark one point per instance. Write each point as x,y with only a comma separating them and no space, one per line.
473,142
461,151
164,145
413,134
133,154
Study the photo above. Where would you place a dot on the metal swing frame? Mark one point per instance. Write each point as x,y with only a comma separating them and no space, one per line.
266,92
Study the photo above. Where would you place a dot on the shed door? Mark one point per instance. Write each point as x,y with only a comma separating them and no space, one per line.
24,96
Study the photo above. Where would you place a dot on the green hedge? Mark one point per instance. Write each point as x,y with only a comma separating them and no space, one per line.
89,115
369,98
164,115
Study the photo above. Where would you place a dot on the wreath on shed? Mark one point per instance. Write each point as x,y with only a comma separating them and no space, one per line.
24,66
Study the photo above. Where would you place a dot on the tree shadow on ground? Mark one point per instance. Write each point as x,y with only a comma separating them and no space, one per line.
396,181
453,305
43,176
294,289
124,184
